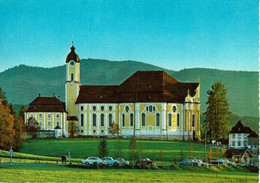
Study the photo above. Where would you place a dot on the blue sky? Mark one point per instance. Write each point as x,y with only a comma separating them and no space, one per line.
175,34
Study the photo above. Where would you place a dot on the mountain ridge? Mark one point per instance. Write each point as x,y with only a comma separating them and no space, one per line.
22,83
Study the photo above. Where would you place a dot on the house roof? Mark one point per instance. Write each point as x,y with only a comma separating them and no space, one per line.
142,86
46,104
236,152
240,128
253,134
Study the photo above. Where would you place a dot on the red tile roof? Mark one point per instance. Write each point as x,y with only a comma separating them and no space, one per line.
240,128
142,86
46,104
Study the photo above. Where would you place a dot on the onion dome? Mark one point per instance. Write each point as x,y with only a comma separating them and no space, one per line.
72,55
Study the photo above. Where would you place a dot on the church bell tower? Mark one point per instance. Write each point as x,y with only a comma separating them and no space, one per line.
72,83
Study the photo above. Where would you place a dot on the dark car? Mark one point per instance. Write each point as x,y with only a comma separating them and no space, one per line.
144,161
216,162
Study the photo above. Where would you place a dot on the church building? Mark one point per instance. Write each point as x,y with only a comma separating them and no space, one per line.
149,104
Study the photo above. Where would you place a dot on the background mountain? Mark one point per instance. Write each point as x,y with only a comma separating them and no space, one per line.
23,83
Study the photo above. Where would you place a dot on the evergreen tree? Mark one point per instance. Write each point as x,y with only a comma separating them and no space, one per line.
3,97
217,114
103,148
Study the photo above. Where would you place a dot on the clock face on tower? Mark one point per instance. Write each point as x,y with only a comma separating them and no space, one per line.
71,63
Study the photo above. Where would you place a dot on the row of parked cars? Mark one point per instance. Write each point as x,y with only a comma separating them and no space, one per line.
90,161
198,162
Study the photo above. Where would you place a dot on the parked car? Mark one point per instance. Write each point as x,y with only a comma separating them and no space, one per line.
122,162
144,161
198,162
93,160
187,162
216,162
110,161
227,161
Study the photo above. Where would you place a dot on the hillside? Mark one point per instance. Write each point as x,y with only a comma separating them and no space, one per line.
23,83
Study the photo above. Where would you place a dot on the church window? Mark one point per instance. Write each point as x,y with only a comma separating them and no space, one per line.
153,108
157,119
49,123
94,119
147,108
72,77
126,108
178,119
123,119
131,119
110,108
102,119
102,131
150,108
94,131
31,115
40,123
58,123
94,108
238,143
58,115
81,108
102,108
143,119
82,119
174,108
110,119
40,115
193,120
81,131
169,119
49,115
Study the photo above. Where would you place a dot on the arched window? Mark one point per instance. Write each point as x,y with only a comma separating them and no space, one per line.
123,119
110,108
157,119
82,119
178,119
143,119
102,119
174,108
72,77
169,119
193,120
131,119
110,119
126,108
94,120
81,108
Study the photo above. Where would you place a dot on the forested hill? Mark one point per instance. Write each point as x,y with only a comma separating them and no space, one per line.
23,83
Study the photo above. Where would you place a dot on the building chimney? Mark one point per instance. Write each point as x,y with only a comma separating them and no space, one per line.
39,95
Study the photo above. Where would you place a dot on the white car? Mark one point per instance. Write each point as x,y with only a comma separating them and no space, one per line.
110,161
93,160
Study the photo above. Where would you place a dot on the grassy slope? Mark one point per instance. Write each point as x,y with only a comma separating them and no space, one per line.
81,148
66,174
242,86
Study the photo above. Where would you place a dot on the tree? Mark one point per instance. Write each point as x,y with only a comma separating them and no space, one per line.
217,153
32,126
3,97
217,119
113,129
103,148
191,150
72,129
19,127
7,131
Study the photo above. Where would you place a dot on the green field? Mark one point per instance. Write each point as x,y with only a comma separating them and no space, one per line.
52,173
81,148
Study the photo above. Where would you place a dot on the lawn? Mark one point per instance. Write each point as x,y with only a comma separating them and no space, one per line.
81,148
52,173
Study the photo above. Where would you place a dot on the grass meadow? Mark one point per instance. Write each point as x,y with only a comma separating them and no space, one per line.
52,173
80,148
